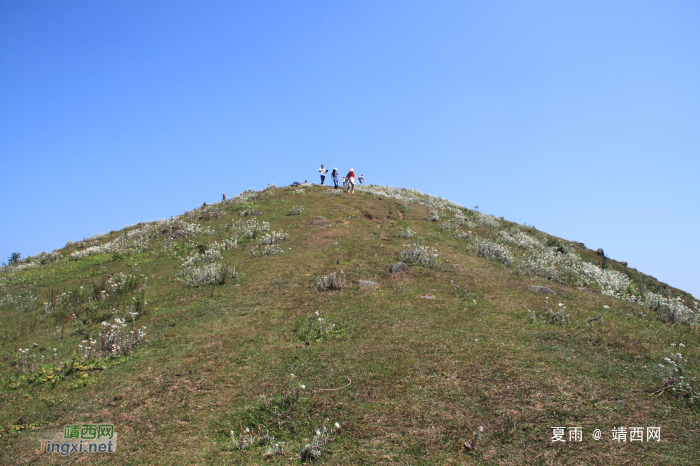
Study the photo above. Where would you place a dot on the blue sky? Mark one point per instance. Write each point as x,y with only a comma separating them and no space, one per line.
580,118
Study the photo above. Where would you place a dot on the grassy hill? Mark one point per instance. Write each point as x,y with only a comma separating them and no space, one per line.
248,314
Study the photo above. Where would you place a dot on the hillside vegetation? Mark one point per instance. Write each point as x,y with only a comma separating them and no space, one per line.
269,329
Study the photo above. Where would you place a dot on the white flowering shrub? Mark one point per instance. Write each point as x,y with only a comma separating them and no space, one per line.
62,302
121,283
274,237
312,451
123,245
674,377
209,274
249,229
298,191
242,198
114,340
463,235
461,220
250,210
202,269
433,215
332,281
488,220
519,239
406,232
419,254
410,195
672,310
224,245
551,317
44,258
452,226
266,250
296,210
210,255
276,449
247,439
492,250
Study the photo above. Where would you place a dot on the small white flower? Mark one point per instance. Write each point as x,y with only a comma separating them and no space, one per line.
337,426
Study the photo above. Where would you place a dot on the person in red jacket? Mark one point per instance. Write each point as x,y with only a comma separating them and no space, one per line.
351,181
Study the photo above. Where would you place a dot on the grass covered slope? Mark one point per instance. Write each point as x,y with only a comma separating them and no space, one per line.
247,317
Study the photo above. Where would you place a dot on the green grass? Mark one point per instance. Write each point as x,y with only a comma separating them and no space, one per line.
409,379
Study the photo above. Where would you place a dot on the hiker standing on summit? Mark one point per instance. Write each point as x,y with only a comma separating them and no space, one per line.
323,172
351,181
334,176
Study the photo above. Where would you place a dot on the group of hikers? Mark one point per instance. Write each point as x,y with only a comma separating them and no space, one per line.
348,180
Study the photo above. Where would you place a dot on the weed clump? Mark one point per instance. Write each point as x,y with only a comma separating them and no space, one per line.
323,435
253,210
274,237
460,292
207,275
419,254
493,251
332,281
550,316
406,232
318,328
673,376
114,340
248,438
249,229
296,210
268,250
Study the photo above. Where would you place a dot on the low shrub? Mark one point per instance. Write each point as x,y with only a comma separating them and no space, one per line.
332,281
419,254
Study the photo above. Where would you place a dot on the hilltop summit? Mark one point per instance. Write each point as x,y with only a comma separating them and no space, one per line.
270,327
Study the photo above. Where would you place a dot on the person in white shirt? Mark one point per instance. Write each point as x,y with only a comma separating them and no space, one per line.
322,171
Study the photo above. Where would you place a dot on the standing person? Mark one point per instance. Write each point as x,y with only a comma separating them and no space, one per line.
334,177
224,197
361,179
322,172
351,181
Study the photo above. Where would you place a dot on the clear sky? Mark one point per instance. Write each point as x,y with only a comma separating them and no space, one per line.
581,118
